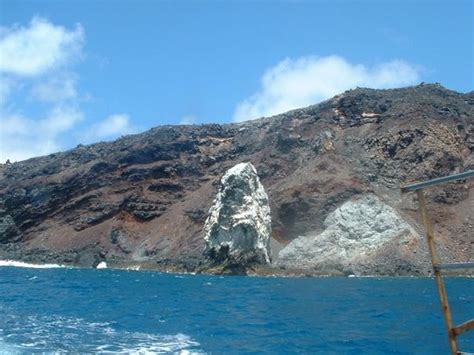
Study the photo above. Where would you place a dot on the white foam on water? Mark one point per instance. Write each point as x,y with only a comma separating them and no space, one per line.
6,348
133,268
54,334
28,265
152,344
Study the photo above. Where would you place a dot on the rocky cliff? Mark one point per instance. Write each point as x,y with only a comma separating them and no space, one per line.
144,198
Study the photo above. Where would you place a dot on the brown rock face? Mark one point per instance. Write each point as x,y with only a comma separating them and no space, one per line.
144,198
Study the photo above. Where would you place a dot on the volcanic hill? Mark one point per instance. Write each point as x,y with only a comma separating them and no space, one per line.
144,198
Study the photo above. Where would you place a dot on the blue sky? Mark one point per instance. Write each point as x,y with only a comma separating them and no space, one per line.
83,71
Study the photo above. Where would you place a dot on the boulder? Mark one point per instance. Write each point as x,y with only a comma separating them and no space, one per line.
239,224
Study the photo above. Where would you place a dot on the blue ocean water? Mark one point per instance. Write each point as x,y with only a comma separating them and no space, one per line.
84,311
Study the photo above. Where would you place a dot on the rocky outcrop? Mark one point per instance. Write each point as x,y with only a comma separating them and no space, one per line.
355,236
239,222
145,198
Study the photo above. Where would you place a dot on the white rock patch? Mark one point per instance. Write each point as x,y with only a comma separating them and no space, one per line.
354,230
370,114
239,218
101,265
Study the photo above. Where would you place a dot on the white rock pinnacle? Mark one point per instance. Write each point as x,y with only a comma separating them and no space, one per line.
239,218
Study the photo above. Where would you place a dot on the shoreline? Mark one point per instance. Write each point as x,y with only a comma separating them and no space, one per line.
265,272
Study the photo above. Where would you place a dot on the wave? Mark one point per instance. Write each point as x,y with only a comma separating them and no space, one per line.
55,334
28,265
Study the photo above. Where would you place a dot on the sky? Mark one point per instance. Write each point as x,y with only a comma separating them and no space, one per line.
78,72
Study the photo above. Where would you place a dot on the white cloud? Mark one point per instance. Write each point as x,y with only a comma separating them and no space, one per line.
59,120
15,125
111,127
22,137
33,50
5,89
35,62
295,83
57,88
188,119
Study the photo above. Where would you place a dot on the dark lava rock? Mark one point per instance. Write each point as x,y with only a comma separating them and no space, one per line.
8,229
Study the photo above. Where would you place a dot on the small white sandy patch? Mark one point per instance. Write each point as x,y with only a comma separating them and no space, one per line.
33,266
101,265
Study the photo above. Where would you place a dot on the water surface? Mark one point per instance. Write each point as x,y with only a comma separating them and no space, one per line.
80,310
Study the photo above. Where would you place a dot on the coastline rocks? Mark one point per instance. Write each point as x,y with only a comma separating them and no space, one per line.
238,227
363,236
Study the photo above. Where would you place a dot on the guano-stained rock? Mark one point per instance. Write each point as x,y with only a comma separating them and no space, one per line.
239,222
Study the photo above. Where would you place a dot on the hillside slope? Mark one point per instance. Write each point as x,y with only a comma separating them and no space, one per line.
144,198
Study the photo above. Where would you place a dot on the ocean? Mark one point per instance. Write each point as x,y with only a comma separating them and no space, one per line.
58,310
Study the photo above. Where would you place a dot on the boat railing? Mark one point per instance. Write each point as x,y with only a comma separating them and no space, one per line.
438,267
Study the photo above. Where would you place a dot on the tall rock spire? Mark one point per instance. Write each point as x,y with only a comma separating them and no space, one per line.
239,222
